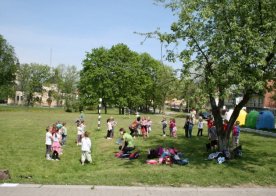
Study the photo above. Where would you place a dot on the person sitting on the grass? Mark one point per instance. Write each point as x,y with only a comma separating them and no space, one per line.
127,142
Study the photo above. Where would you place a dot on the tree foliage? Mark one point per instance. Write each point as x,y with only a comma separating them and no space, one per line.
231,44
121,78
31,78
8,68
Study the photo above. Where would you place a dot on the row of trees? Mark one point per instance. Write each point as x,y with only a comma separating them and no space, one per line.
124,78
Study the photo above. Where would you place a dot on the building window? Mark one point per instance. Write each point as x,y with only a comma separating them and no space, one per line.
17,98
260,102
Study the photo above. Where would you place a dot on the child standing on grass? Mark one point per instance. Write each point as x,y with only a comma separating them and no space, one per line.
113,124
173,128
149,123
63,133
86,149
144,127
236,134
109,128
48,142
164,126
79,133
200,126
56,148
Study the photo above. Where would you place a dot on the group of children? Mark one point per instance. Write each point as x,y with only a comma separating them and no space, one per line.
172,127
111,123
56,136
84,141
141,126
213,136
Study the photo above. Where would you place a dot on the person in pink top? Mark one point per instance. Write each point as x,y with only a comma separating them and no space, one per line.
56,147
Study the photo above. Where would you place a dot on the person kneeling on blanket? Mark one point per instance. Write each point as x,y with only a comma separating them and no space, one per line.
127,141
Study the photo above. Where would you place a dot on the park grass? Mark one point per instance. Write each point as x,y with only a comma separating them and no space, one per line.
22,138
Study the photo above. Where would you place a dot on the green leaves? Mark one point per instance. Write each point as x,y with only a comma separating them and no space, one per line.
231,43
8,68
121,77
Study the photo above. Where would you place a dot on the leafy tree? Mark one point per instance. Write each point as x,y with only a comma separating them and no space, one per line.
120,77
8,67
192,91
95,80
31,78
57,78
69,88
66,79
231,43
166,85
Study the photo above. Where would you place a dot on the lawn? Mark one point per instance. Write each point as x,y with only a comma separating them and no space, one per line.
22,138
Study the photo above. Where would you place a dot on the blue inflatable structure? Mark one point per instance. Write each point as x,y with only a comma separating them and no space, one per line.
265,120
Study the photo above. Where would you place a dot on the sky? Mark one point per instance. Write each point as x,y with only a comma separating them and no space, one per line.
54,32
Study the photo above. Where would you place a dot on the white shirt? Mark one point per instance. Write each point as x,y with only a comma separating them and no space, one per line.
83,127
200,124
86,144
80,130
56,137
109,126
48,138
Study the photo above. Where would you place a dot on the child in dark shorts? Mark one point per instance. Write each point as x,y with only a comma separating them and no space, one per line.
213,137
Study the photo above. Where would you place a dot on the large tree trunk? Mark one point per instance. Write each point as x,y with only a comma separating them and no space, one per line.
224,136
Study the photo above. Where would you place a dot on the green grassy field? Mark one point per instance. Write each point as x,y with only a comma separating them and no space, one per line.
22,144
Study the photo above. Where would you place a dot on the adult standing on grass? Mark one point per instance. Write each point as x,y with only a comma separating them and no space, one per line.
86,148
127,142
